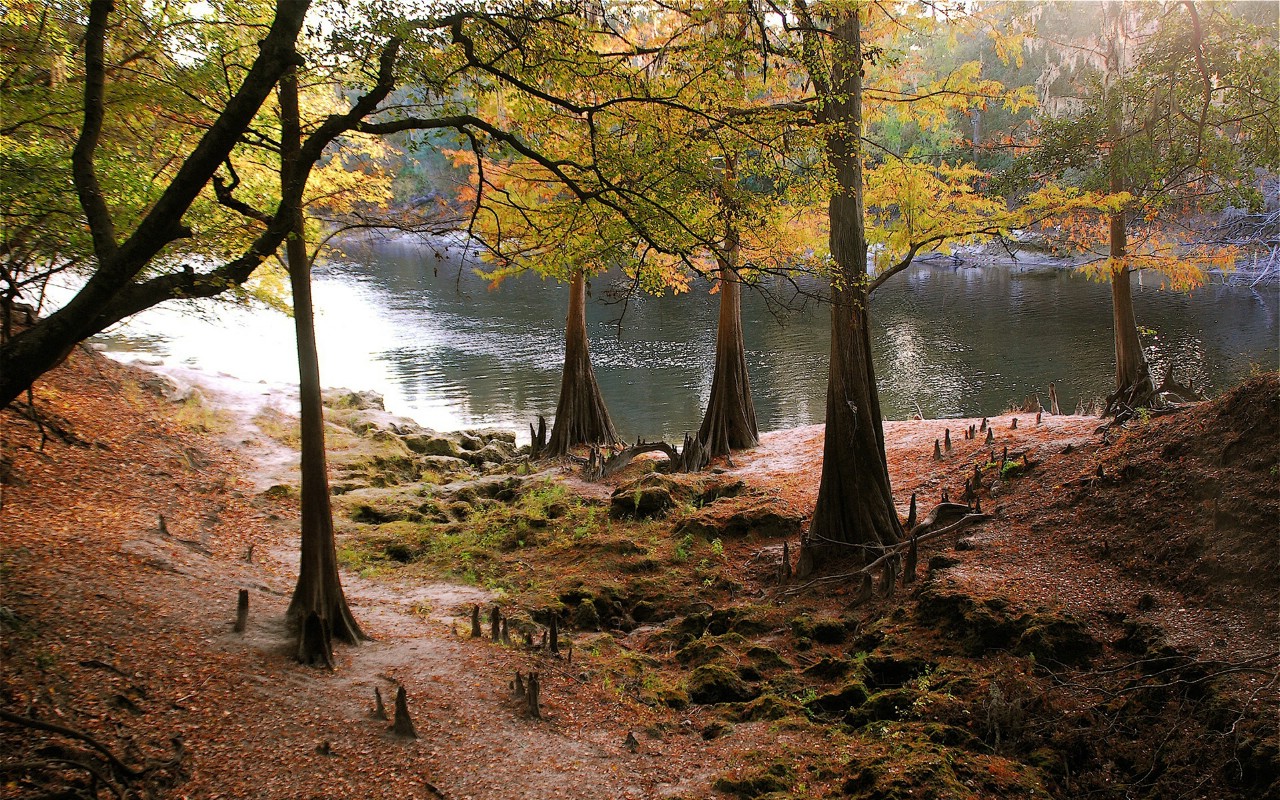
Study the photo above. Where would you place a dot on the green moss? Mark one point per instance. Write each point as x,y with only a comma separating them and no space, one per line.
767,707
712,683
777,777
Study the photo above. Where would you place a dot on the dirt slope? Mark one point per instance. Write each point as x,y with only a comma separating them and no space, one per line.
1129,605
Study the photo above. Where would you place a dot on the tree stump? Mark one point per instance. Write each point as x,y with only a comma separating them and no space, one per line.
1038,413
242,611
555,634
937,450
495,624
532,695
475,621
864,590
538,438
403,726
1053,399
911,512
517,688
379,710
977,505
506,634
784,571
891,566
1014,425
991,436
946,440
984,425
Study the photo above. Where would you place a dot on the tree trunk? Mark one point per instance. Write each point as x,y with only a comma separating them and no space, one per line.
318,596
581,416
1133,378
730,421
855,515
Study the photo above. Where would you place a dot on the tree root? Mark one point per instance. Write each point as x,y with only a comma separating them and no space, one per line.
693,457
62,771
890,559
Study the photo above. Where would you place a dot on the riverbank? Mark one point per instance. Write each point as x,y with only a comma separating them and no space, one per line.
1081,607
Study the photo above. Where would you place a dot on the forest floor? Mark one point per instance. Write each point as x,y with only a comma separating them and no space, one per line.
1111,631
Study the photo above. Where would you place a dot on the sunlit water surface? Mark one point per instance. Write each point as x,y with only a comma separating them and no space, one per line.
411,320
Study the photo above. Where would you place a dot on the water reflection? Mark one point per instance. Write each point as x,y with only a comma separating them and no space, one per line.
452,352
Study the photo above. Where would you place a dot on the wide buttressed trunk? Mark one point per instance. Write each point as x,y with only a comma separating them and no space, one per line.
854,516
581,415
319,608
730,421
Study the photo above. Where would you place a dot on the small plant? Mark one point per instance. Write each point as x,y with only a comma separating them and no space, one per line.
685,548
717,547
195,415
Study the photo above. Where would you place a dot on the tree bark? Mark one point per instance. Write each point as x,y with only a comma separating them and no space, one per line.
319,588
581,415
730,421
1133,377
854,515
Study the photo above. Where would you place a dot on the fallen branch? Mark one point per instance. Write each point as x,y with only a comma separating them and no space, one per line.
921,533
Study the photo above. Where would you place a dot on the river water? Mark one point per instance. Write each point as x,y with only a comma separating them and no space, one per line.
411,320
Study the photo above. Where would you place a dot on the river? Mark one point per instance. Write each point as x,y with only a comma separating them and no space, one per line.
411,320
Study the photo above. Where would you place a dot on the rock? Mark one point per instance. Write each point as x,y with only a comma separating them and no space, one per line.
640,502
991,624
503,488
776,778
431,445
851,695
700,652
766,708
447,465
1055,638
829,668
732,517
487,436
892,704
942,562
586,617
358,401
495,452
712,683
164,387
767,658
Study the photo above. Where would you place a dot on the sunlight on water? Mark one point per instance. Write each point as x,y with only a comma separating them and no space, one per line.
446,349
